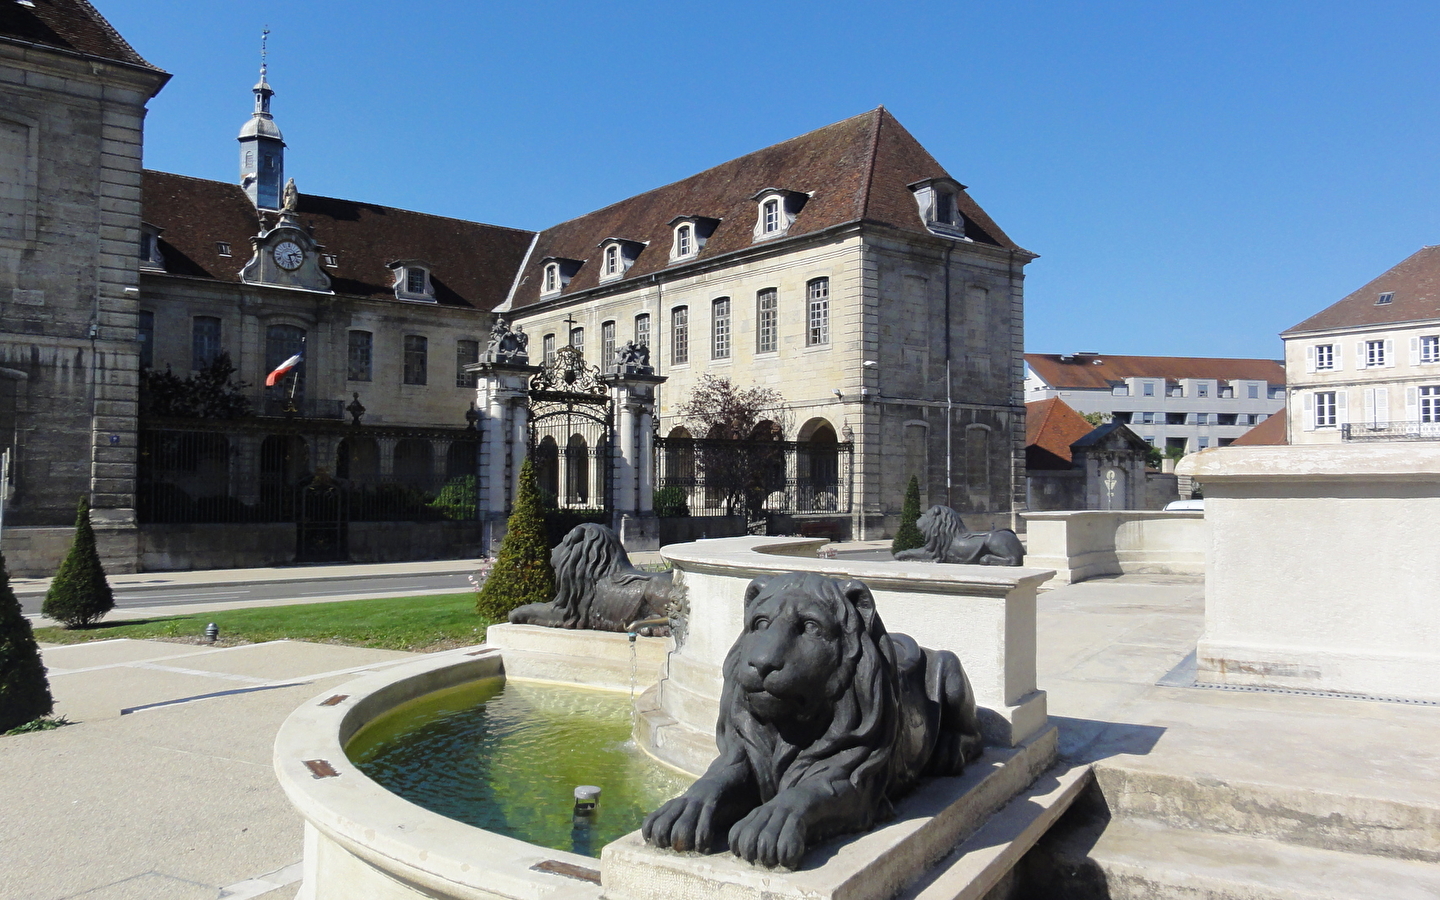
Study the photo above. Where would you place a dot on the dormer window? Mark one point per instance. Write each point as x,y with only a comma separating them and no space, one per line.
412,280
222,248
777,211
938,200
1385,298
617,255
150,256
556,272
691,232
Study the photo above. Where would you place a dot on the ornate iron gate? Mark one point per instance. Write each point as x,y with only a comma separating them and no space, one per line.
572,434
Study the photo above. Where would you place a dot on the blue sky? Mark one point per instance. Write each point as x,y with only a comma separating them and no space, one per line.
1196,177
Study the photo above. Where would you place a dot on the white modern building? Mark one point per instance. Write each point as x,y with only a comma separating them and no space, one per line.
1368,367
1176,403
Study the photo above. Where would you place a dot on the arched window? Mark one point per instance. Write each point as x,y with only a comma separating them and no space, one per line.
818,467
281,343
414,461
547,471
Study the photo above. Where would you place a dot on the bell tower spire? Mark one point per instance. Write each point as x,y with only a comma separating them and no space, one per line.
262,148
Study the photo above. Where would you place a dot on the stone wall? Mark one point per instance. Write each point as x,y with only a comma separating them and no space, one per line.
168,548
1090,543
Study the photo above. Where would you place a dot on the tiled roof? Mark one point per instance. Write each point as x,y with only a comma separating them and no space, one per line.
855,170
1100,371
1268,433
471,264
1053,425
1415,282
69,25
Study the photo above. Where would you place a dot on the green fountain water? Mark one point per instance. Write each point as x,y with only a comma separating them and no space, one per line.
507,756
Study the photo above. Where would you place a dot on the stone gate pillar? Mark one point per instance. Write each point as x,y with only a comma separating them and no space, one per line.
632,385
502,387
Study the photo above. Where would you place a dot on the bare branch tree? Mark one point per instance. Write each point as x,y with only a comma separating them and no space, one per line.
740,454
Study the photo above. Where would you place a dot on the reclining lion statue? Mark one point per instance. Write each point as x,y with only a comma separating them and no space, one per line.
597,588
825,719
948,541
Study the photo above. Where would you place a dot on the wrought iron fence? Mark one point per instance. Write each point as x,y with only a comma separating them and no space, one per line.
1390,431
708,477
200,476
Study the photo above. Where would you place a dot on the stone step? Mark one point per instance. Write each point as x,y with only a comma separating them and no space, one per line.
1137,859
1349,818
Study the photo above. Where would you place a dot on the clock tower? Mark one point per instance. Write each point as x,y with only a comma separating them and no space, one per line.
262,149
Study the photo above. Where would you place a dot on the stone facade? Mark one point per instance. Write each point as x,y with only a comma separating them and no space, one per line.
71,127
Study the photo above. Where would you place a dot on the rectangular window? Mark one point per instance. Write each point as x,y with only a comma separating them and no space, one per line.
1324,357
817,331
416,352
767,315
577,340
548,348
147,339
330,260
1430,349
1254,392
1202,418
1324,409
222,248
642,330
204,341
771,216
1374,354
1174,418
1430,405
1148,389
1202,390
466,352
680,335
720,328
607,343
414,280
1204,442
1384,298
281,343
357,363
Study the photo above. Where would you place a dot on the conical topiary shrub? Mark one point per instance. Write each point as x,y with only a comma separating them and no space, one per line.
908,537
522,572
80,595
24,692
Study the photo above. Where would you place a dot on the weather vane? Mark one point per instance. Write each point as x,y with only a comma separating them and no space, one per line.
264,39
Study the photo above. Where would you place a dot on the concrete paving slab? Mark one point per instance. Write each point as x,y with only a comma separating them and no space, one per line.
70,657
147,885
104,693
277,660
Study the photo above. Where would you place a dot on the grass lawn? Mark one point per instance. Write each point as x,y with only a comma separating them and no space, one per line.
435,622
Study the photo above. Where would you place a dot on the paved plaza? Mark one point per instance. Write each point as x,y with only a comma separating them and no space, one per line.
164,788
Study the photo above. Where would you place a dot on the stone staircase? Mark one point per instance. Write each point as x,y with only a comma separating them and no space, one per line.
1145,835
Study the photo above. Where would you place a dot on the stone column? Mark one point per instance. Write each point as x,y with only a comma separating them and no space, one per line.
500,394
634,391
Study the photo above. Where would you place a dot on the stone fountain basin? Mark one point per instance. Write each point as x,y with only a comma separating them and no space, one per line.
361,840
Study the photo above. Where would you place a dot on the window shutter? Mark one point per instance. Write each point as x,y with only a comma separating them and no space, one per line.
1309,417
1414,351
1342,416
1361,361
1310,358
1389,353
1382,406
1412,405
1335,356
1369,395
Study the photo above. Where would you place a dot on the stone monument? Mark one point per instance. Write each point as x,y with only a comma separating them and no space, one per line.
597,588
948,541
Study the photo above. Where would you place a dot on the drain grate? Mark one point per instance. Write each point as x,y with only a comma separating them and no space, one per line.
1334,695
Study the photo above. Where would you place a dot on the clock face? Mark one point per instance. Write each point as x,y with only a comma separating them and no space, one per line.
288,255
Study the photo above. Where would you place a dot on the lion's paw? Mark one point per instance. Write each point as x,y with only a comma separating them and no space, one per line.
771,835
684,823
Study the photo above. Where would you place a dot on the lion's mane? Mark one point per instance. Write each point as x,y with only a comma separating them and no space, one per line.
942,527
589,553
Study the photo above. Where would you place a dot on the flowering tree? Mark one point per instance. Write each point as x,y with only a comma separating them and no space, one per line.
742,460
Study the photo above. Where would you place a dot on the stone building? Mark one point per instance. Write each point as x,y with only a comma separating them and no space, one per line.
1071,464
1178,404
1368,366
72,113
845,269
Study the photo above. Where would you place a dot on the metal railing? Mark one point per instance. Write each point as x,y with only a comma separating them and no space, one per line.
1390,431
274,404
705,477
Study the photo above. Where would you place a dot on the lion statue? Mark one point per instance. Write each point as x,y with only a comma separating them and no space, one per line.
597,588
947,541
824,720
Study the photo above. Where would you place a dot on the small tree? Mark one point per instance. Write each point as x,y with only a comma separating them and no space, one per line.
24,691
522,572
80,595
743,460
208,394
908,537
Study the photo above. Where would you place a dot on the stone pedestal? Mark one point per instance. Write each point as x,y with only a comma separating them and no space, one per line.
501,394
1322,568
632,476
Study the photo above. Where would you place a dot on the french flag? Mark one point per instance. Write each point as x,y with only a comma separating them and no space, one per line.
283,369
